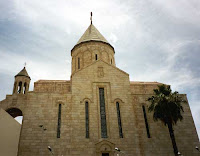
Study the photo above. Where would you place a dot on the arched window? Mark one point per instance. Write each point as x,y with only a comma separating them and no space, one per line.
119,120
146,121
78,62
19,87
87,119
24,88
59,120
14,112
111,61
12,136
103,113
96,57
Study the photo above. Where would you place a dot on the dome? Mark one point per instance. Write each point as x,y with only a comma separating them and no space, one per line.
92,34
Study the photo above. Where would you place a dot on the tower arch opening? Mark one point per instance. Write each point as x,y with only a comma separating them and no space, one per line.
21,83
24,88
19,87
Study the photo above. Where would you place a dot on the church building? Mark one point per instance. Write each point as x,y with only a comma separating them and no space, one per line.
98,112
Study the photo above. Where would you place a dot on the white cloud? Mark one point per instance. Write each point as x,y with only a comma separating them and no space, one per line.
113,38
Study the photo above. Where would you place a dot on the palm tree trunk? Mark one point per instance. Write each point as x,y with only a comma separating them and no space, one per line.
171,132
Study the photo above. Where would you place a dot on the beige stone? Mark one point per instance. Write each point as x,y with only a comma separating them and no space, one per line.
9,134
40,107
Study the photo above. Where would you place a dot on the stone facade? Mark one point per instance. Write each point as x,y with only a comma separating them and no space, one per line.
87,53
60,106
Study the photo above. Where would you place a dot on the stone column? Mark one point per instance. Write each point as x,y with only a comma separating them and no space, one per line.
27,87
22,88
15,87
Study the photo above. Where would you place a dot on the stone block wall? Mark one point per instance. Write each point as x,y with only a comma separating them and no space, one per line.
87,52
40,107
160,143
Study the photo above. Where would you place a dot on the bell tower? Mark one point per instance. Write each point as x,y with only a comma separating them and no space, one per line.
22,81
91,47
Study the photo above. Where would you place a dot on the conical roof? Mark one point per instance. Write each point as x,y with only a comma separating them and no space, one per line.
92,34
23,72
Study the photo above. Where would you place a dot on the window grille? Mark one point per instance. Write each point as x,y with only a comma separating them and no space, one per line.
102,113
59,121
87,119
119,120
146,122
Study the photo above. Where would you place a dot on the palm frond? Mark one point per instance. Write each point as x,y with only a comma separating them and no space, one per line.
166,105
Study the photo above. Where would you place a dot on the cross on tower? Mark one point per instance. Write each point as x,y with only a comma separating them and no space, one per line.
91,17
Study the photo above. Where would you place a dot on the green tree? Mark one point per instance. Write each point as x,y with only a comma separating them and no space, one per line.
166,106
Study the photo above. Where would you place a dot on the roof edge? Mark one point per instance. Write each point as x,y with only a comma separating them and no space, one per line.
97,62
23,75
44,80
92,41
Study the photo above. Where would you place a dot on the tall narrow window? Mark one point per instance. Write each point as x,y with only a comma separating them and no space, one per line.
59,121
78,62
146,122
102,113
86,119
119,120
96,56
111,61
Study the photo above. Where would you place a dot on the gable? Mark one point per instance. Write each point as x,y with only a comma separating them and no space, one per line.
100,74
100,65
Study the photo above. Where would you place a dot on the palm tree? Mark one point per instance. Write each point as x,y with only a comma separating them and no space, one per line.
166,106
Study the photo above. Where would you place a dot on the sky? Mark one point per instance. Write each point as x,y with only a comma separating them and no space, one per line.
154,40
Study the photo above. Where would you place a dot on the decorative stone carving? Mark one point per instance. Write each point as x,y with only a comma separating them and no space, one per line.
105,147
100,72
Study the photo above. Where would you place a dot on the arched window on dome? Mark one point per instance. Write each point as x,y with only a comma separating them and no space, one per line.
96,57
78,62
111,61
19,87
87,119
